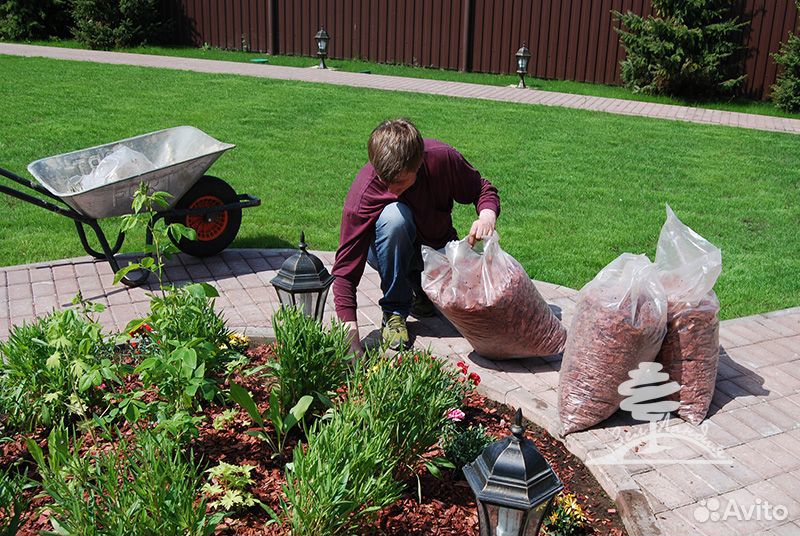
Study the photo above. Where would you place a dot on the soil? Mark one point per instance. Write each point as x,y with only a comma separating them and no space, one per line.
447,507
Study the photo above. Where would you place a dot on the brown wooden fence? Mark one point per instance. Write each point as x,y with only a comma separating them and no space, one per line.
568,39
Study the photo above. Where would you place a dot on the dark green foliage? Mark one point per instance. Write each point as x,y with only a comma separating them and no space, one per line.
464,446
689,48
311,360
107,24
33,19
13,504
54,368
786,91
144,485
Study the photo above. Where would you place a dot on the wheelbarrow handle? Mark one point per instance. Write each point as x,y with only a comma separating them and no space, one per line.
69,213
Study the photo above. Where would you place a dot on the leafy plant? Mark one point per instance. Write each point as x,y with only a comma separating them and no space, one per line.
280,423
56,367
107,24
141,486
40,19
685,49
145,206
224,419
311,359
13,504
567,517
464,446
343,477
410,395
228,485
786,91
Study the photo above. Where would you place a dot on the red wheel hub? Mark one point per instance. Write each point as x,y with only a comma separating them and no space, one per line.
207,226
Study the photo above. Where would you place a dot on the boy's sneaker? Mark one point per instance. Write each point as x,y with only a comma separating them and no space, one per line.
422,307
394,331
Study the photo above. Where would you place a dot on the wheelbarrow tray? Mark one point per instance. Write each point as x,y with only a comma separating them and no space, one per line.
181,156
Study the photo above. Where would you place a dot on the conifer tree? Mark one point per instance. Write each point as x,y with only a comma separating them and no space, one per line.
688,48
786,91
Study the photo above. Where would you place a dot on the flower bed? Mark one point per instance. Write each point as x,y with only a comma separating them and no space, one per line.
173,423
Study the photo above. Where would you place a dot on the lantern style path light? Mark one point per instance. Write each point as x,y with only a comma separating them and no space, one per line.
523,55
322,38
303,282
513,485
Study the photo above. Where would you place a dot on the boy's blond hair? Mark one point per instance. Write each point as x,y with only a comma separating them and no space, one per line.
395,146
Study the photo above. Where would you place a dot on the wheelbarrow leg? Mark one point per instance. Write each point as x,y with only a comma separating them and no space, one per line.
134,278
90,250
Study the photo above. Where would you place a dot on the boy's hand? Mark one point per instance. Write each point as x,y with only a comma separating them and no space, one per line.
355,340
482,227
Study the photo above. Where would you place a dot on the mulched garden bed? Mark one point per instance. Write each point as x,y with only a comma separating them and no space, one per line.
447,507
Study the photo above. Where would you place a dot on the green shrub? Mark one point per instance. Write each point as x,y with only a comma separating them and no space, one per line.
464,446
184,314
55,368
33,19
343,477
786,91
142,486
311,359
410,395
686,49
107,24
13,504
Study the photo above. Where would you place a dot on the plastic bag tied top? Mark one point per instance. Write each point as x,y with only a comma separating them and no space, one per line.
689,264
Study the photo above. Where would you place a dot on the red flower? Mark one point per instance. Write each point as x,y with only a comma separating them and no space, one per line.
134,344
147,327
475,378
463,366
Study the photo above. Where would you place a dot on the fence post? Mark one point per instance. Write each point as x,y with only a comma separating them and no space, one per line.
467,27
272,27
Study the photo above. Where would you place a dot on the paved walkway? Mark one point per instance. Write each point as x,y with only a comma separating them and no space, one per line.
418,85
745,457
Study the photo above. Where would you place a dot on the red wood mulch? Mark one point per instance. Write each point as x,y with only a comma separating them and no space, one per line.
447,507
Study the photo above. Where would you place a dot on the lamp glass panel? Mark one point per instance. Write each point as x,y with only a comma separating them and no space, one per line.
320,310
535,518
322,44
509,521
522,63
286,298
307,302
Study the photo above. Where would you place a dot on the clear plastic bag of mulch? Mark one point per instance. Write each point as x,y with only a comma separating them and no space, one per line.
689,266
487,295
619,322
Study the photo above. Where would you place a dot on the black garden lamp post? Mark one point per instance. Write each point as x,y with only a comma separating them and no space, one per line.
523,55
303,282
513,484
322,38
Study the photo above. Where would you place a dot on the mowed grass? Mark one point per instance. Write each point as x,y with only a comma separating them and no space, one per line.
741,104
578,188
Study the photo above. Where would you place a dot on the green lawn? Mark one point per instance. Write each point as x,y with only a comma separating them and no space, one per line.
565,86
578,188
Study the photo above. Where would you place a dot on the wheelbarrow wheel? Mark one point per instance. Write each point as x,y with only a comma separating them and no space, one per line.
215,231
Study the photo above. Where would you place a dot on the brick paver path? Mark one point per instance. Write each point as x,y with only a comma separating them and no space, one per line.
752,434
418,85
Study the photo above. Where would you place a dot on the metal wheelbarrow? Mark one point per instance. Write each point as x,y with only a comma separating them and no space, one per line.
178,159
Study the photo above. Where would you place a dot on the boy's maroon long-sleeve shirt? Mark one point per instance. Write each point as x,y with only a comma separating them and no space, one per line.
445,177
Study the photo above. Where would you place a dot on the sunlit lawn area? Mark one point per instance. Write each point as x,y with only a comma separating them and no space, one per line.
566,86
577,187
